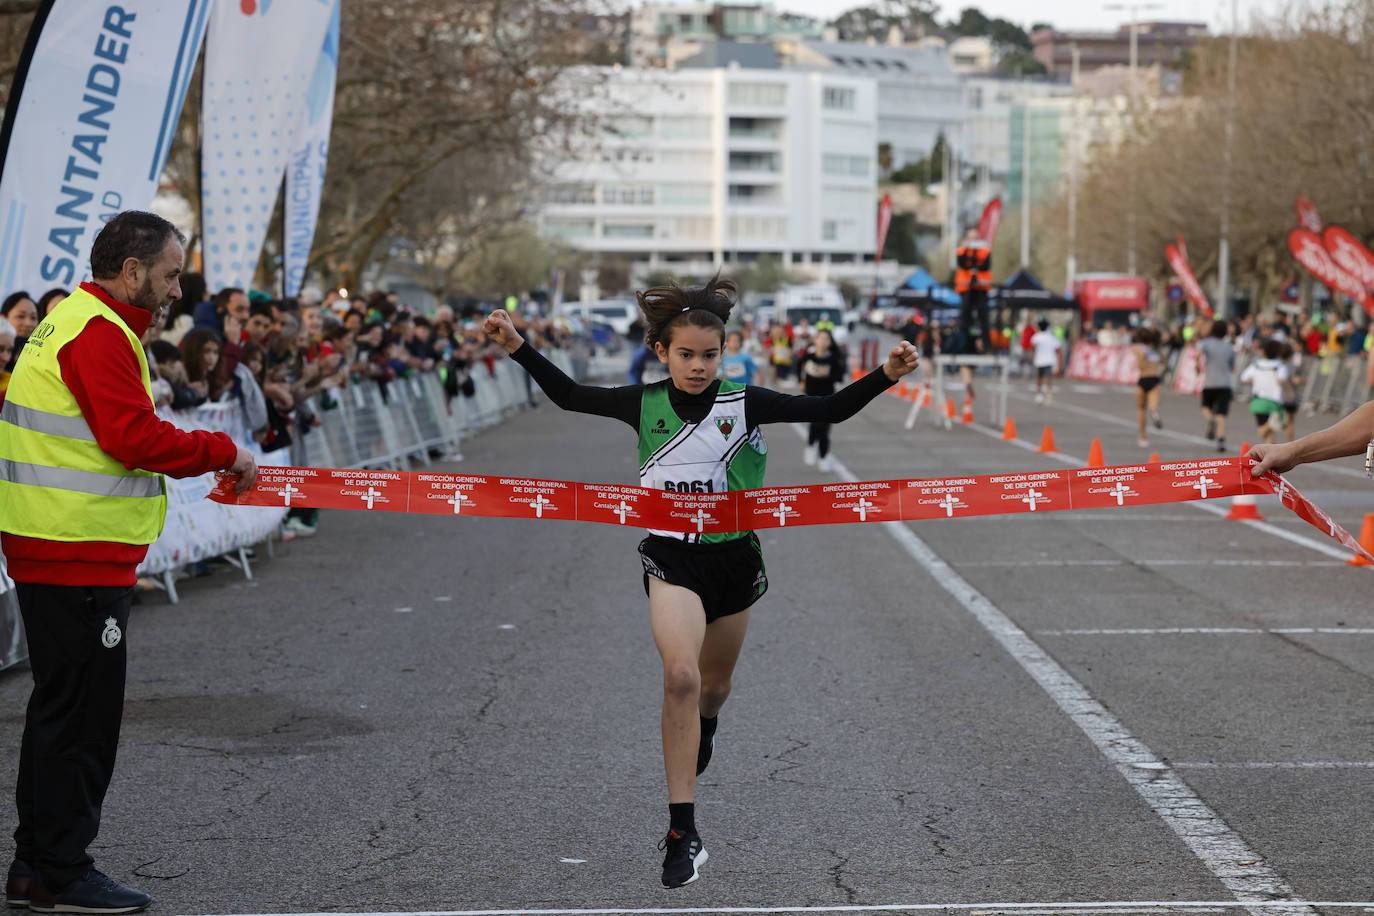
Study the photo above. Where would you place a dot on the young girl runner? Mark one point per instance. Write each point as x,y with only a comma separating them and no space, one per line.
696,434
1151,365
820,368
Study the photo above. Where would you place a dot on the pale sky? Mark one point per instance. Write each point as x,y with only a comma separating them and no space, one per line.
1068,14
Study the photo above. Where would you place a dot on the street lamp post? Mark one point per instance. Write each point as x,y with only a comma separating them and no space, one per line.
1071,267
1224,246
1133,8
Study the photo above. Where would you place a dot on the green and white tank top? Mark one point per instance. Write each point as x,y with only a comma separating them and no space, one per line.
713,456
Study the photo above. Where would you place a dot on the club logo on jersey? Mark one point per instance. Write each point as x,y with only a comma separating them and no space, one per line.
660,428
725,425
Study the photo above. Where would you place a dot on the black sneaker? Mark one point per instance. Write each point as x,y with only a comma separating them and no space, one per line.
17,884
1221,445
93,892
1157,419
684,854
1212,429
707,745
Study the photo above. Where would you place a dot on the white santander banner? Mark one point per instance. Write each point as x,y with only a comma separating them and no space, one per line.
256,85
95,105
305,174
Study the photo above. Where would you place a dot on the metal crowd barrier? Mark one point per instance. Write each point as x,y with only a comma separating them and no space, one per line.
1336,383
361,427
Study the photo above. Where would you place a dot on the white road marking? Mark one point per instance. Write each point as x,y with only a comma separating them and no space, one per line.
1325,466
973,909
1281,765
1144,562
1207,631
1328,549
1220,849
403,610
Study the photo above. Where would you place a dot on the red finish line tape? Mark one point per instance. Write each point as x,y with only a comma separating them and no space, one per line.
774,507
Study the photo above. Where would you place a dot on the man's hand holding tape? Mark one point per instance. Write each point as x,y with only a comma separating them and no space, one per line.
1352,435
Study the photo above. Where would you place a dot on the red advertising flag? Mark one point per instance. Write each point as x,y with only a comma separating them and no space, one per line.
1178,260
988,222
1350,254
1307,215
1311,253
884,221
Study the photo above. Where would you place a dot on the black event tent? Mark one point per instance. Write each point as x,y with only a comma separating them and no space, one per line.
1022,291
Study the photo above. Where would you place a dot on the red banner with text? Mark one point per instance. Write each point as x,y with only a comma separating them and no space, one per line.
475,495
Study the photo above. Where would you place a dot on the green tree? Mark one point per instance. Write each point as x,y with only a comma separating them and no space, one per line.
925,171
1017,62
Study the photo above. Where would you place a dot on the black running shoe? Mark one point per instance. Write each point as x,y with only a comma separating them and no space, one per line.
1212,429
683,855
1157,419
707,745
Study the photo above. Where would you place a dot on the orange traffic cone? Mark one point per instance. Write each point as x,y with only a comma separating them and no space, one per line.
1009,430
951,412
1243,506
1154,457
1095,454
925,398
1366,541
856,374
902,390
968,411
1046,442
916,394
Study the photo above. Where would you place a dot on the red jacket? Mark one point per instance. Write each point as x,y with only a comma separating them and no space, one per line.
102,374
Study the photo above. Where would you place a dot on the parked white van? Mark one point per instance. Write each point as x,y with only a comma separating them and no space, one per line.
812,304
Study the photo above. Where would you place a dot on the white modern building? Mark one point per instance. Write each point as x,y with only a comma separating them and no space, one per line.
920,96
695,168
989,140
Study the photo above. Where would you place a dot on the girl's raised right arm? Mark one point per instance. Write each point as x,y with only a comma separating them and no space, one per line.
621,403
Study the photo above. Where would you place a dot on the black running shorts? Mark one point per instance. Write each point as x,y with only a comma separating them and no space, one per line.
1148,383
728,577
1217,400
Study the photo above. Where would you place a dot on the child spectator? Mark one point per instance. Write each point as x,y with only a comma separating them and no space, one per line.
172,371
200,352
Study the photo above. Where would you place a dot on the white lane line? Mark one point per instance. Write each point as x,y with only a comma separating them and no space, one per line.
1281,765
1326,466
1220,849
974,909
1124,562
1330,550
1208,631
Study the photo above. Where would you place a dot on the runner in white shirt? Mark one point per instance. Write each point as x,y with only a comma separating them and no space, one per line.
1047,346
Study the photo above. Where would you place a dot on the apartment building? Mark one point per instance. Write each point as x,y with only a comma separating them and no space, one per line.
695,168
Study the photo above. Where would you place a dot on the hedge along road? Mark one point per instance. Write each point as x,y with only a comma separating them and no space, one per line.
420,714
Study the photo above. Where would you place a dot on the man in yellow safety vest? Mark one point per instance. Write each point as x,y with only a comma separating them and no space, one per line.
82,495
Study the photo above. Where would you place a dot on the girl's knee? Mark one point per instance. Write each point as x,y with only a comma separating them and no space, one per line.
681,681
714,691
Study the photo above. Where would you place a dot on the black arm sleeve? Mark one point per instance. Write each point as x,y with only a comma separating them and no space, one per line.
764,405
621,403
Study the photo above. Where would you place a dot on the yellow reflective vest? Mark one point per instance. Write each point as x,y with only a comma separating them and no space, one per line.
55,482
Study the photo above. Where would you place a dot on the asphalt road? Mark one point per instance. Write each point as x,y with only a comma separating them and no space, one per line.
406,713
